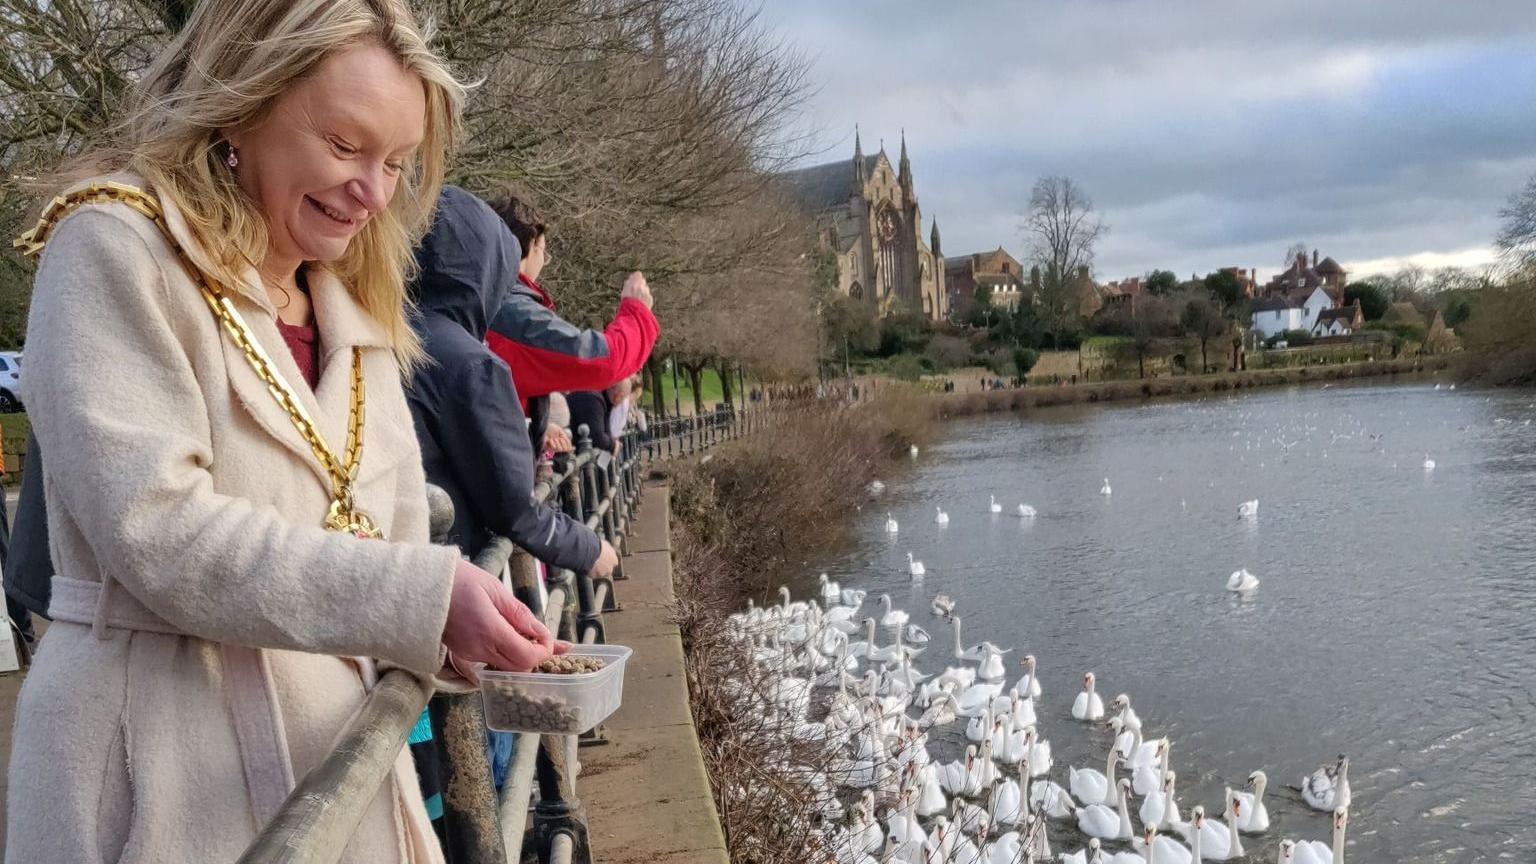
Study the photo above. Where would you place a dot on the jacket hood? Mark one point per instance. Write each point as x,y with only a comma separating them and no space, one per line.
467,262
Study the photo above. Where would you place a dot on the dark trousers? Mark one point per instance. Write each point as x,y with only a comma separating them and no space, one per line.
20,617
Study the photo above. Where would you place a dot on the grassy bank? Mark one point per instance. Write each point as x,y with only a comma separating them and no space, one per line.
744,518
1024,399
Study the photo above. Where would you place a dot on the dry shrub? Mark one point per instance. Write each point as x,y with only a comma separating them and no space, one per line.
769,500
760,774
1497,338
1027,398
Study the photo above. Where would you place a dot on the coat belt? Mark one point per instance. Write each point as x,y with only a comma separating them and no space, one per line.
248,685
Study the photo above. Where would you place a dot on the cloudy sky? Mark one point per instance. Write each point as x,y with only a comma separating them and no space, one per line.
1209,133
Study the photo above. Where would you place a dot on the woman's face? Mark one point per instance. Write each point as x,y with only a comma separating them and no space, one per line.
329,154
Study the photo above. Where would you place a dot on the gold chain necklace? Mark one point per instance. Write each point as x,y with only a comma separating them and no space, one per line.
343,515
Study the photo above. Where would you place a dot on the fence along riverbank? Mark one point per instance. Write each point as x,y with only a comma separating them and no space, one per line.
540,792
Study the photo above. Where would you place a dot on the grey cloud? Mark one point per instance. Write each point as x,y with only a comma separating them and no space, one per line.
1208,132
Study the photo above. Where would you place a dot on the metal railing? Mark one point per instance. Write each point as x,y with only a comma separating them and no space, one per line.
595,487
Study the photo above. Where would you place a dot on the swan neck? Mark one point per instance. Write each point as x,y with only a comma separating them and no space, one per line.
1109,764
1338,843
1259,786
1126,829
1237,840
1194,845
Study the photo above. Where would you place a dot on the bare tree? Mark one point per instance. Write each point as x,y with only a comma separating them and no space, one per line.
1516,239
645,131
1296,250
1061,230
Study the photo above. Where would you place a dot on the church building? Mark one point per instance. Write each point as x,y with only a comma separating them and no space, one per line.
866,211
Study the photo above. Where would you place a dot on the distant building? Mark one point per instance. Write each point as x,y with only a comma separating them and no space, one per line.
1298,281
1341,321
866,211
1282,312
1000,273
1248,279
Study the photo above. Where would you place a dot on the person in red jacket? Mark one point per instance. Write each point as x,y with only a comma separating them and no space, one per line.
546,353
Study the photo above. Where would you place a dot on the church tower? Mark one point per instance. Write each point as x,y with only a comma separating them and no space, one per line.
904,169
859,177
933,241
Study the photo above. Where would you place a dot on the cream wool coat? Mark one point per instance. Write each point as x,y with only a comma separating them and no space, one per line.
171,468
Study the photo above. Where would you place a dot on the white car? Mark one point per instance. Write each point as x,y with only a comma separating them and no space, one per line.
10,381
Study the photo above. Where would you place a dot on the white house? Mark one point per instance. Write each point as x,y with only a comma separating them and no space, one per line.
1273,315
1315,304
1339,322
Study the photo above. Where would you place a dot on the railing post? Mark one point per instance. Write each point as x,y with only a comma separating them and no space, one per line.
585,479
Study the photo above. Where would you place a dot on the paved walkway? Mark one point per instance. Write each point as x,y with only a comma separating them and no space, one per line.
646,794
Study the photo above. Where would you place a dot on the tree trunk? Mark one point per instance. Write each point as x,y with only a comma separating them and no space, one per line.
696,381
1141,363
1203,365
725,382
658,399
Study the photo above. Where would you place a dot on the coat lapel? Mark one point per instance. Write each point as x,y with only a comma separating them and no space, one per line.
342,324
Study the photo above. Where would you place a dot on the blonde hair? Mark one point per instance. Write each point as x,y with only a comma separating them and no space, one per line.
226,68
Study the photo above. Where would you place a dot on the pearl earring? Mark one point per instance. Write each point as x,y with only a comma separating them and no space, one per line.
233,159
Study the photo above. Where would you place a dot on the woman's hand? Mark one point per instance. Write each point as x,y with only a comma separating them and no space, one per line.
487,624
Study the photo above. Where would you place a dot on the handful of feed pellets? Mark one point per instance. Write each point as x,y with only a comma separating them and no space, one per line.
567,665
515,708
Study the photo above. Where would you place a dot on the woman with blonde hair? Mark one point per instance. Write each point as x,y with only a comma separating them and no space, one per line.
235,494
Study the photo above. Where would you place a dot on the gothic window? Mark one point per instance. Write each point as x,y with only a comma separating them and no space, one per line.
856,291
887,229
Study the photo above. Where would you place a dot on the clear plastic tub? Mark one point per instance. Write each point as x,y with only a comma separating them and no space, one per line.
561,704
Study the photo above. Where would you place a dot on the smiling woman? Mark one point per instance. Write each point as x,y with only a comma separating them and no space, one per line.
218,307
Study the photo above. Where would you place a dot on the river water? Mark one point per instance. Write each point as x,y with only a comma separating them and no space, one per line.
1395,619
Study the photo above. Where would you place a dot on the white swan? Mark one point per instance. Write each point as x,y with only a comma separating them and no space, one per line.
979,728
890,524
993,505
915,567
956,777
1429,464
831,593
1026,511
1029,682
942,518
930,800
1039,753
1248,509
992,668
1007,805
1147,779
1105,823
1162,810
1313,851
1105,490
1006,849
1253,817
1122,708
1242,580
1088,705
912,451
1087,855
916,635
1214,839
943,606
1090,786
941,712
893,618
975,653
1162,849
1327,788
